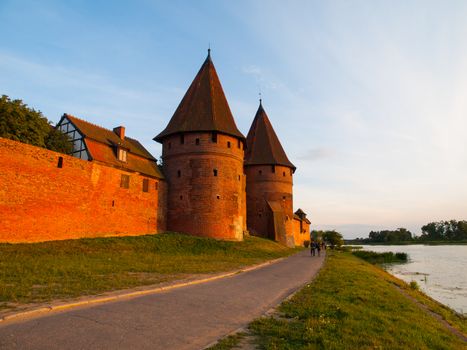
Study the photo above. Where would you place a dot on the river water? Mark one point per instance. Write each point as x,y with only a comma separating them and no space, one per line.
440,271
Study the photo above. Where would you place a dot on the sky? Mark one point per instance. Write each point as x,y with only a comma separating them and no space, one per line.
369,98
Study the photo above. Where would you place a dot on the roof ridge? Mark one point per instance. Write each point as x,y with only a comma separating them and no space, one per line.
87,122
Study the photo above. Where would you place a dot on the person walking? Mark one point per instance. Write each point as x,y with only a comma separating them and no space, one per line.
312,248
318,247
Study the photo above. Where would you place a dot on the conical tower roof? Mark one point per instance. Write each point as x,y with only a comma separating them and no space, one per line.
203,108
263,145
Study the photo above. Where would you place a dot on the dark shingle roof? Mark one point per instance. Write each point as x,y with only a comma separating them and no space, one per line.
203,108
263,145
101,144
108,137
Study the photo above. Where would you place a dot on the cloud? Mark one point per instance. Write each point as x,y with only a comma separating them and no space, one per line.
318,153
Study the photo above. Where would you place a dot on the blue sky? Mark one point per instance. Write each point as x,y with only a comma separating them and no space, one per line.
369,98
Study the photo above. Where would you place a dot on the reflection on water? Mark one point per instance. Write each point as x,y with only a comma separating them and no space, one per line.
440,271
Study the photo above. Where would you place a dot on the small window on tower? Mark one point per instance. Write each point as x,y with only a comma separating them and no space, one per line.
273,168
238,143
179,173
197,141
215,172
261,172
214,137
145,185
182,139
283,173
60,162
228,144
125,181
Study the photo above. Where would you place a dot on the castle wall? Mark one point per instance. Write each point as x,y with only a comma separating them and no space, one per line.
199,202
263,185
302,235
40,201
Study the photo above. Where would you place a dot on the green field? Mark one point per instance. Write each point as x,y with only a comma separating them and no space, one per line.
63,269
355,305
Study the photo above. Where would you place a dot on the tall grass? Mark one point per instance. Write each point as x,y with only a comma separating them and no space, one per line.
381,258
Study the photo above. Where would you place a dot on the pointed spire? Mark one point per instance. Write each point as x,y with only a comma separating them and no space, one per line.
263,145
204,107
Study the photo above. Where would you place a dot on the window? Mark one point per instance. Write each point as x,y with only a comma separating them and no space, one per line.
218,197
60,162
182,139
145,185
197,141
125,181
179,173
238,143
122,155
215,172
273,168
261,172
181,197
214,137
239,177
283,173
228,144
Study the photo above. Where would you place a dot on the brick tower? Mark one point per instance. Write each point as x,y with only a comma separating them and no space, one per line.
203,154
269,180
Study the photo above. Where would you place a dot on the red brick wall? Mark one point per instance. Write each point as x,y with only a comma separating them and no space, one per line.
39,201
303,235
263,185
200,203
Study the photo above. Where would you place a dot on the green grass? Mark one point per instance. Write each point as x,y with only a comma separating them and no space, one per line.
63,269
355,305
381,258
229,342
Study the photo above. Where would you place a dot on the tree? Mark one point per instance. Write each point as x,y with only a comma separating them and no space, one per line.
332,237
20,123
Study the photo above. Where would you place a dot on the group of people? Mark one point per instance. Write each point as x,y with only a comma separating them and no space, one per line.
317,246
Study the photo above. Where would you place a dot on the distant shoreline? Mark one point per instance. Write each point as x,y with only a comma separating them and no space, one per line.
354,242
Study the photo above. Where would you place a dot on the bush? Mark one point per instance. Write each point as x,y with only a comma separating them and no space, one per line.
381,258
414,285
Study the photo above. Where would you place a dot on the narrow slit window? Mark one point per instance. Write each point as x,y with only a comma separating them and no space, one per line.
145,185
283,173
261,172
181,197
197,141
60,162
273,168
179,173
215,172
238,143
228,144
182,139
214,137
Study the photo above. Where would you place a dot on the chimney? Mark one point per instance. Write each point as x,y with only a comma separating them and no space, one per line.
120,131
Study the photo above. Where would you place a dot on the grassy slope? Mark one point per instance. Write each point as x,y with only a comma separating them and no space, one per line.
62,269
354,305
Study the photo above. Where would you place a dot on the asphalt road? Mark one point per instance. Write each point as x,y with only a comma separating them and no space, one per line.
184,318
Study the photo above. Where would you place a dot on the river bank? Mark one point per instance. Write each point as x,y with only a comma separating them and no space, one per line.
355,305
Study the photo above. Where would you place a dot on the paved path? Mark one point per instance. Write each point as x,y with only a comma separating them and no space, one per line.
185,318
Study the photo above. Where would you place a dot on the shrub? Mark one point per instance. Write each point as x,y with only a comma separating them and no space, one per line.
380,258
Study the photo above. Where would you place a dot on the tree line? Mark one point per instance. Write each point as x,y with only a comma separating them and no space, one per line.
21,123
451,230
